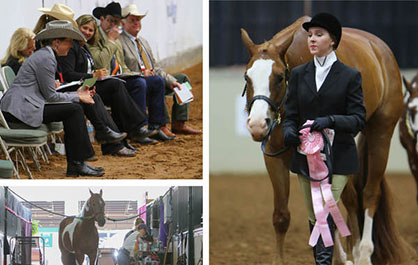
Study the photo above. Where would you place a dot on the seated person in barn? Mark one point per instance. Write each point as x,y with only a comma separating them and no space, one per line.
139,58
108,53
22,45
134,243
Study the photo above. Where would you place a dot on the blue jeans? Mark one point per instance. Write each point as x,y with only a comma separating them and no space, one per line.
149,91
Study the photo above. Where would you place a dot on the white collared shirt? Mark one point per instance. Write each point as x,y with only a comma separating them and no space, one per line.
323,66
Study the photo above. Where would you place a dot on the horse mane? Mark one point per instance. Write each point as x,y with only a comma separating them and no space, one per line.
290,29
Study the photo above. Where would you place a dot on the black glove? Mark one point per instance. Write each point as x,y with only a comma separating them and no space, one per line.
291,138
321,123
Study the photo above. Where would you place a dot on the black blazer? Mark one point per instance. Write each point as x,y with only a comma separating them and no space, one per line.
340,95
74,65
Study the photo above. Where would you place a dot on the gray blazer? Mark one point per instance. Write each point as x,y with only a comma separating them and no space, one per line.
132,57
33,87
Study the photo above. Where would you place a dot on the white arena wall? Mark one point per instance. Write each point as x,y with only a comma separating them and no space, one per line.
172,27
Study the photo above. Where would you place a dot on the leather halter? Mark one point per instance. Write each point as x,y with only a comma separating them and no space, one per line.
277,111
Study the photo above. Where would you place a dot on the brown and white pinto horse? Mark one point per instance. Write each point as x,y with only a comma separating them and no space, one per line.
408,125
78,234
366,195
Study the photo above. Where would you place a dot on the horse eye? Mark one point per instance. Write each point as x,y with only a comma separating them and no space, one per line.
280,77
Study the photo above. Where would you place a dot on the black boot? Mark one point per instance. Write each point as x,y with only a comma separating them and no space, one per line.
323,255
108,136
81,168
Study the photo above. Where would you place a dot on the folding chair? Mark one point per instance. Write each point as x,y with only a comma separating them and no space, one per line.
17,139
7,168
8,76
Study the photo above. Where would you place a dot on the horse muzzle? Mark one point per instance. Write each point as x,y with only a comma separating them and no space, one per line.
258,128
101,221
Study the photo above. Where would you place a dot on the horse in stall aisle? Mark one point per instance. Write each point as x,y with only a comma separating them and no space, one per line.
366,196
78,234
408,125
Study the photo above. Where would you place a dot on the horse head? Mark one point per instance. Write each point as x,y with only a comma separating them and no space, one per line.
266,79
94,208
411,105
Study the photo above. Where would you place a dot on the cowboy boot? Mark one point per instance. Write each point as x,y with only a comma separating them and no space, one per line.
323,255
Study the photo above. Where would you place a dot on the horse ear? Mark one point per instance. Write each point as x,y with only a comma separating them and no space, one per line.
249,44
407,84
91,193
282,42
101,192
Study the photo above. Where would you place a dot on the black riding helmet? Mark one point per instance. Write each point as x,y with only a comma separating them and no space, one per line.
328,22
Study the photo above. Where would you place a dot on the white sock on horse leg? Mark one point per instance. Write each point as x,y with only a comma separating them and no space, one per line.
366,244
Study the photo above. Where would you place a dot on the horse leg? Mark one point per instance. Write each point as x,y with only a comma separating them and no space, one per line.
349,199
92,257
376,196
67,258
79,258
340,255
278,170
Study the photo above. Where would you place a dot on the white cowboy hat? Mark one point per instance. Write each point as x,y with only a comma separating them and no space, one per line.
59,29
132,10
60,12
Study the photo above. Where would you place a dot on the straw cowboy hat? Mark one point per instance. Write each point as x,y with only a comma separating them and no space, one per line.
60,12
132,10
112,9
59,29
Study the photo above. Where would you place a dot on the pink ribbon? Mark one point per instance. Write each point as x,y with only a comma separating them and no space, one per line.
311,144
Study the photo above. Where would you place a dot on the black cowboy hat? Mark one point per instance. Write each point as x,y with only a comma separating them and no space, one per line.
114,9
328,22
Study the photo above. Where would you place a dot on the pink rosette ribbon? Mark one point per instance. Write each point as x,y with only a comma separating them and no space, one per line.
323,201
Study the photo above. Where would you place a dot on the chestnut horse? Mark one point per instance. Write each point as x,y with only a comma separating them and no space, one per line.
78,234
366,196
408,125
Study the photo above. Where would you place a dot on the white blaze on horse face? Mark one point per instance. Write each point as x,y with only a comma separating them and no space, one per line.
259,73
414,120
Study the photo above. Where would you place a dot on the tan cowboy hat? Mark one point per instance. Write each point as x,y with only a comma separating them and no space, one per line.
132,10
60,12
59,29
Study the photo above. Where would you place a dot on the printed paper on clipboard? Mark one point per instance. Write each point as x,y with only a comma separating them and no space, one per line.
184,95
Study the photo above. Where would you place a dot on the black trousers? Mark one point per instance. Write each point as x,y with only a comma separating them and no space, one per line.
126,114
76,139
100,118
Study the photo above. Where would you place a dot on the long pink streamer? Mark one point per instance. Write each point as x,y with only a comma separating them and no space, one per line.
311,144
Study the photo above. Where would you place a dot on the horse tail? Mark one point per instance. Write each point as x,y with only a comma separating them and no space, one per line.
389,246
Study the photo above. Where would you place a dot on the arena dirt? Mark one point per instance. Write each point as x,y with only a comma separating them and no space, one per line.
241,230
178,159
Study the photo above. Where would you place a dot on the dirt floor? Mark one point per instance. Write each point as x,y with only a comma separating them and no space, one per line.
178,159
241,230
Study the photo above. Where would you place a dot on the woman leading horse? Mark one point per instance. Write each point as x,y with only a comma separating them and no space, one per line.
366,194
329,93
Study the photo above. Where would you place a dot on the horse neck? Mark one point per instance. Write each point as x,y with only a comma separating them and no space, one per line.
293,43
86,213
